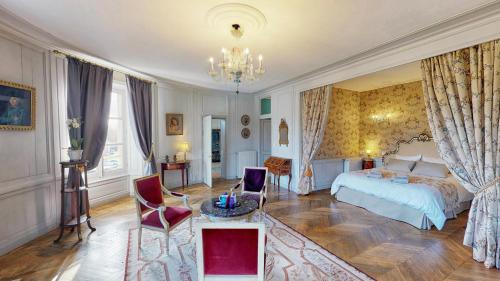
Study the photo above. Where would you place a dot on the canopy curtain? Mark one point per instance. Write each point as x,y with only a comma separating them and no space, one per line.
141,103
315,104
462,98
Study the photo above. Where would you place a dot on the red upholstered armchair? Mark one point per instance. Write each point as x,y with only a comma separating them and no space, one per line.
253,185
152,213
230,251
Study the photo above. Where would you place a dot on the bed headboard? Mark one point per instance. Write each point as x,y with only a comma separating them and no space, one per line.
421,144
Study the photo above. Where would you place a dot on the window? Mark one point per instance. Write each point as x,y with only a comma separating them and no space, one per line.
114,157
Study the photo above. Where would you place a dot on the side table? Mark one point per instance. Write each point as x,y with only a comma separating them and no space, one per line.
82,198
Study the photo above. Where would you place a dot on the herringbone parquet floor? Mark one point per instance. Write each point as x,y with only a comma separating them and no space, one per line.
383,248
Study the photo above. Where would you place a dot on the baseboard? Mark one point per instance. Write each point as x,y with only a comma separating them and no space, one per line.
108,198
26,236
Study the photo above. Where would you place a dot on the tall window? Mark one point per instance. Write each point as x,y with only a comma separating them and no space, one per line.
114,157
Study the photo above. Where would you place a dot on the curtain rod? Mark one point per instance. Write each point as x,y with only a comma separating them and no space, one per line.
57,52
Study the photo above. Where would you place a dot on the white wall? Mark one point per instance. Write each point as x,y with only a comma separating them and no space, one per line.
284,105
29,169
27,185
194,103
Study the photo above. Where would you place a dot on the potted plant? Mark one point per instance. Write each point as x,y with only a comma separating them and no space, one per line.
76,149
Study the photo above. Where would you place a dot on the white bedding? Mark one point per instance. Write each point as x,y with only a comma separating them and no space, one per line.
432,196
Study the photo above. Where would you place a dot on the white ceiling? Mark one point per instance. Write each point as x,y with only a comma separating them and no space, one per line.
171,39
396,75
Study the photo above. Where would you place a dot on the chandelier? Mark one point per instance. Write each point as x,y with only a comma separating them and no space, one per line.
236,65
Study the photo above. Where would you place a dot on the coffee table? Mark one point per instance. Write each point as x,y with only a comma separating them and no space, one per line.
244,211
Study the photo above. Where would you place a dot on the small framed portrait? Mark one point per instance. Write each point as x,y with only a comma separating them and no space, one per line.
17,106
174,124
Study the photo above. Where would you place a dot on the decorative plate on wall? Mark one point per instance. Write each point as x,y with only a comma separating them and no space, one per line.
245,133
245,120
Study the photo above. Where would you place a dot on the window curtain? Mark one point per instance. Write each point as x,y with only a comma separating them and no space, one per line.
462,99
89,97
315,104
141,102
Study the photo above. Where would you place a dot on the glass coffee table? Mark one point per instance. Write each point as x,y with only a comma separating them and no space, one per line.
245,210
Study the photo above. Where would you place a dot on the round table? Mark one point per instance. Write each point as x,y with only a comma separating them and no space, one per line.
245,210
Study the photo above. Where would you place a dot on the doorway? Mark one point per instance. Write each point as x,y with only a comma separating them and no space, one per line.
214,146
265,140
218,153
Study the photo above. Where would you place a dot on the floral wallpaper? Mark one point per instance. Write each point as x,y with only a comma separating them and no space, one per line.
341,137
390,114
373,120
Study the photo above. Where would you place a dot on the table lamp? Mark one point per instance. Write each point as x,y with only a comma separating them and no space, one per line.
185,149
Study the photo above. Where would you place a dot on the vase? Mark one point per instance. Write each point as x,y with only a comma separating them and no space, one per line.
75,154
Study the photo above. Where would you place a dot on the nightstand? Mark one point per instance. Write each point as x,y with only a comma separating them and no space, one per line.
367,163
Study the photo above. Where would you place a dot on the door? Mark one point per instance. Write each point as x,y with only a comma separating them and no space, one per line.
207,150
265,140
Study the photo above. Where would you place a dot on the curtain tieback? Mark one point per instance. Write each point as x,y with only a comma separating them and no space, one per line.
487,185
150,156
308,173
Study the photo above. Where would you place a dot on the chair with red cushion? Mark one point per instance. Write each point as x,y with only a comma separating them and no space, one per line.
230,251
152,213
254,186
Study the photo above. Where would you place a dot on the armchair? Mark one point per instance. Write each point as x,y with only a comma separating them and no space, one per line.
152,213
230,251
253,186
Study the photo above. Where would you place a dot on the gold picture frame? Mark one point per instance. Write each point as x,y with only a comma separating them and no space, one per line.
17,106
174,123
283,133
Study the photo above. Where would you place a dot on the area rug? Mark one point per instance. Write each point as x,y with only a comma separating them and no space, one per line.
290,256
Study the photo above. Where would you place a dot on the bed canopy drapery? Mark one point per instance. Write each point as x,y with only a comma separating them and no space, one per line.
462,98
315,104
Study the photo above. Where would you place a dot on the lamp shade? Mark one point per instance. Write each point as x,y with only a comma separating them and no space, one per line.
185,146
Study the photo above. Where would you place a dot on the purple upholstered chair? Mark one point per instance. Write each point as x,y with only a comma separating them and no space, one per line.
254,185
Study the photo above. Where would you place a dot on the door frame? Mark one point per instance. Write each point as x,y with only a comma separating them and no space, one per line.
261,139
223,146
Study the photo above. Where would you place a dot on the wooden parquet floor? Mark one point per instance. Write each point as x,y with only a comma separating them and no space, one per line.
382,248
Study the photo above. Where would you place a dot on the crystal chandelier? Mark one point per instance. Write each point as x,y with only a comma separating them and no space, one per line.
236,65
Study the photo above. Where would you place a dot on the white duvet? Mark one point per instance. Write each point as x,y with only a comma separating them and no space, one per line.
425,194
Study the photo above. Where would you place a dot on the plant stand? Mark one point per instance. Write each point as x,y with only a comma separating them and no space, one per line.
82,199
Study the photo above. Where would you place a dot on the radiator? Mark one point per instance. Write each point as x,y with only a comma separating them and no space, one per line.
245,159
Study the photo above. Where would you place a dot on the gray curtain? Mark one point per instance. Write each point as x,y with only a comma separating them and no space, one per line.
89,97
141,103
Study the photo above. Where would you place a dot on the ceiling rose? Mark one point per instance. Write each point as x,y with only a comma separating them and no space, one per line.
225,15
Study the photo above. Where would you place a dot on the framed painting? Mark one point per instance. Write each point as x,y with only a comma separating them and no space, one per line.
174,123
17,106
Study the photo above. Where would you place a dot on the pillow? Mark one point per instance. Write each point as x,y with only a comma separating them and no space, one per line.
430,170
433,160
407,157
400,165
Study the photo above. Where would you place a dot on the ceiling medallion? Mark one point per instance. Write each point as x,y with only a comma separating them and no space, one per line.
224,15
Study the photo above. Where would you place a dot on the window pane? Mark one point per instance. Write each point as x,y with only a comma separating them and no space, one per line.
115,131
115,109
112,157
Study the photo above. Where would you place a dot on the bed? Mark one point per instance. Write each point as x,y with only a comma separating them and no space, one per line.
422,202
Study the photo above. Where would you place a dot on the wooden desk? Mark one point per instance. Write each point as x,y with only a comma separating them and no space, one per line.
183,166
279,167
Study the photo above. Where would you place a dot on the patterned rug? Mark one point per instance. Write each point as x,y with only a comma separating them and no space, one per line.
290,256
